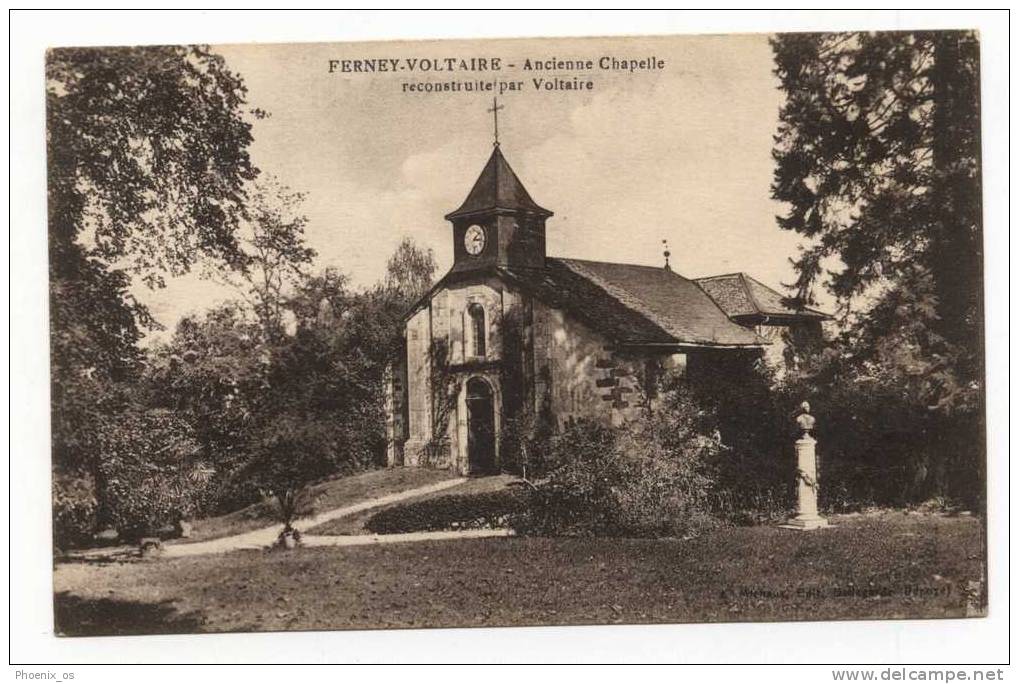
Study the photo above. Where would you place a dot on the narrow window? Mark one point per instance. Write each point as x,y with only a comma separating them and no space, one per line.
477,316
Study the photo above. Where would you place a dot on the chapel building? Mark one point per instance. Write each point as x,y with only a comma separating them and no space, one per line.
510,330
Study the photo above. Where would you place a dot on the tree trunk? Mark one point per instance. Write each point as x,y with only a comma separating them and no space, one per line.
957,240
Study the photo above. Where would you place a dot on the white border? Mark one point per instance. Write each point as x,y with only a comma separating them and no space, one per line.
956,641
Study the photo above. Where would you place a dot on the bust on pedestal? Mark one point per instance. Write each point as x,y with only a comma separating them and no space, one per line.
807,517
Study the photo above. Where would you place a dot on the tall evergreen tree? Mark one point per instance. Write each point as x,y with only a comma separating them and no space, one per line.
878,159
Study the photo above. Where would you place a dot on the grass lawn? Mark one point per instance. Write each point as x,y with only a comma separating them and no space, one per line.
884,566
342,491
354,524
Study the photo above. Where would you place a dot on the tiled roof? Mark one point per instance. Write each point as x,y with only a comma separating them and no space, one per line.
498,188
738,294
634,304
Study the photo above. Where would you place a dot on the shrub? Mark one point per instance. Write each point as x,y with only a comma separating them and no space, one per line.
233,493
74,510
653,477
755,488
754,467
289,453
455,511
150,472
878,446
525,443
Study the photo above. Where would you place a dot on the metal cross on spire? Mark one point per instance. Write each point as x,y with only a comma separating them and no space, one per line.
495,115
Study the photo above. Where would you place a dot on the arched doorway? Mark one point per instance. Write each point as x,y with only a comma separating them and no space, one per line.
480,427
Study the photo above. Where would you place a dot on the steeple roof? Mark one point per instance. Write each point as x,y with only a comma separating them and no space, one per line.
498,188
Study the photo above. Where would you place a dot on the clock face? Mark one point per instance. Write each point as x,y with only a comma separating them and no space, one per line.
474,240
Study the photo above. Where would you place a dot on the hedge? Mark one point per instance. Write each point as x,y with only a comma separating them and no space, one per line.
451,512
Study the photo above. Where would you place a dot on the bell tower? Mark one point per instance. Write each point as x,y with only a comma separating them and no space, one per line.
498,224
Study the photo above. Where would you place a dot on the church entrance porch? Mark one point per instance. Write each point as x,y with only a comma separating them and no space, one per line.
480,428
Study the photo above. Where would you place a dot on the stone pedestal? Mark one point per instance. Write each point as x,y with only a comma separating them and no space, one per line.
806,475
807,517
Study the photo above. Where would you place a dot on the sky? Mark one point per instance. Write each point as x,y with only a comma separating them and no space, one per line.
682,152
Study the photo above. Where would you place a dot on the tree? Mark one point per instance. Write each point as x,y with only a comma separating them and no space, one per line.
273,253
147,161
318,410
321,410
287,453
350,337
276,409
211,373
152,472
878,158
410,271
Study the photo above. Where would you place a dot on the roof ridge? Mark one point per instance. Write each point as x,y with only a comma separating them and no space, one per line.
699,282
720,275
618,263
628,299
750,294
495,172
583,315
801,305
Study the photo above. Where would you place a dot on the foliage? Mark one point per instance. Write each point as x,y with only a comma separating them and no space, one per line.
235,373
649,478
287,453
208,373
341,355
878,159
876,446
444,388
732,398
525,429
279,416
410,271
524,443
74,510
147,159
147,153
93,355
457,511
315,377
274,255
151,472
150,175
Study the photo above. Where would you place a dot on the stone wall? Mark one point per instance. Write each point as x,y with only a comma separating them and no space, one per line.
562,362
395,384
585,377
449,317
440,329
419,404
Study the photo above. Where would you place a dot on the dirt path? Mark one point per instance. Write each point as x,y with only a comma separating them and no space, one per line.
265,536
368,539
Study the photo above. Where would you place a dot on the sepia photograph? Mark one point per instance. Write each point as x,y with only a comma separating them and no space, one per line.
516,332
309,318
